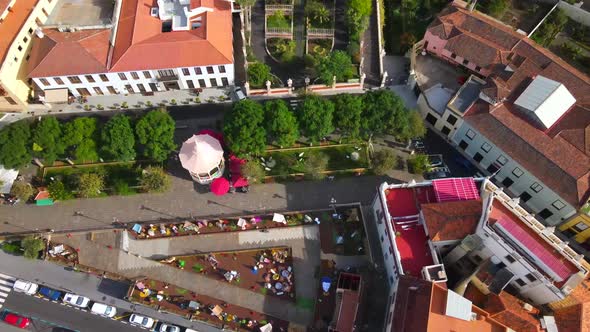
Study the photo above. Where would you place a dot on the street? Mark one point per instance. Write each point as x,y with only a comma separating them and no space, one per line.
46,316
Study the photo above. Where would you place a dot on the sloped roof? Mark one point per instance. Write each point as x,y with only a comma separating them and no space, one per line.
13,23
573,319
510,311
451,220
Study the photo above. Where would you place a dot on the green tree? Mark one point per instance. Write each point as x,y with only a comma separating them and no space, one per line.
497,8
47,140
258,74
253,171
118,141
32,246
347,114
22,190
155,133
280,123
90,184
357,14
317,11
418,164
338,64
58,191
243,128
80,136
384,113
383,161
315,116
14,145
155,179
315,165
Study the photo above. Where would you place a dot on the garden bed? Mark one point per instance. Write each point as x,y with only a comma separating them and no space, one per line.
320,14
319,47
256,222
281,49
203,308
268,271
344,234
62,254
279,20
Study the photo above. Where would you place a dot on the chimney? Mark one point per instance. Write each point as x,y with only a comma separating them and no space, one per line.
472,5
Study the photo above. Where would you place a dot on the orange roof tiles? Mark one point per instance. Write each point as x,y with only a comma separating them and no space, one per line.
573,319
13,23
452,220
510,311
4,5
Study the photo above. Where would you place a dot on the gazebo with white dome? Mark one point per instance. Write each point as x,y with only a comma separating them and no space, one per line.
202,156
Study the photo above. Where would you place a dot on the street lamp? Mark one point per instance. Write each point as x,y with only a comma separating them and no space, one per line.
306,82
333,204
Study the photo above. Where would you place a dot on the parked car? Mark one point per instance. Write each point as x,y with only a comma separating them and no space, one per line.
168,328
76,300
417,144
142,321
436,160
50,293
27,287
103,310
239,93
17,320
437,173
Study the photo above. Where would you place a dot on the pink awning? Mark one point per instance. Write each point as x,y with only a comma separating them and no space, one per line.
455,189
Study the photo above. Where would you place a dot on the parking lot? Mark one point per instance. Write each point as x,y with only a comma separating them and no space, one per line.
435,145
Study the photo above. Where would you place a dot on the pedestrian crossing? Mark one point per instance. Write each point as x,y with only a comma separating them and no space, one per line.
6,283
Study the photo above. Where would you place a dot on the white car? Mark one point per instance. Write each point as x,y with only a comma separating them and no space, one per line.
23,286
142,321
169,328
103,310
239,94
76,300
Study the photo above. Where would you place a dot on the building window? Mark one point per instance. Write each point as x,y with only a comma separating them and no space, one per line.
98,91
545,213
122,76
580,227
507,182
15,59
493,168
502,160
221,69
44,81
470,134
141,88
209,70
112,90
25,40
536,187
202,83
147,74
453,56
478,157
58,80
10,100
44,12
531,277
451,119
20,48
517,172
463,145
134,75
89,78
445,130
510,259
477,68
83,91
129,88
190,84
558,205
486,147
153,87
431,119
213,82
185,72
465,62
28,57
103,77
525,196
520,282
198,71
224,81
30,30
74,79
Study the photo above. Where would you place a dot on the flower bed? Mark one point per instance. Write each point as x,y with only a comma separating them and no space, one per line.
281,49
234,224
194,306
268,271
319,47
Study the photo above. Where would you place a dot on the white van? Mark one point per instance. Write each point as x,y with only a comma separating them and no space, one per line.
27,287
103,310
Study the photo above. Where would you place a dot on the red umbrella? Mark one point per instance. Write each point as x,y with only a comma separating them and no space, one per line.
220,186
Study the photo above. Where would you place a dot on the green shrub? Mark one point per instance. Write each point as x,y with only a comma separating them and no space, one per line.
418,164
383,161
278,20
121,187
59,192
32,246
315,165
22,190
12,247
155,179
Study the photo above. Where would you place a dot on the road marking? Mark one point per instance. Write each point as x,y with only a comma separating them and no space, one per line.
2,300
6,289
3,294
4,276
5,282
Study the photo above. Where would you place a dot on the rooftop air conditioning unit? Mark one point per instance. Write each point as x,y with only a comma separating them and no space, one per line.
154,11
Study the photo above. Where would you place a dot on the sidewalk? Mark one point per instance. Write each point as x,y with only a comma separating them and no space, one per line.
95,288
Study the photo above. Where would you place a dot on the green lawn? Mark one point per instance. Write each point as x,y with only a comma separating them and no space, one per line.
279,20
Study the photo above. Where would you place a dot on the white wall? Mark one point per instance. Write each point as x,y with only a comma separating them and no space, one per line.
119,85
544,199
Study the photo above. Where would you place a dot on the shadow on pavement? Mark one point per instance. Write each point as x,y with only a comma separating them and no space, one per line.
113,288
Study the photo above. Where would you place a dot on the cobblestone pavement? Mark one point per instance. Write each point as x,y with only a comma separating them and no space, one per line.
184,200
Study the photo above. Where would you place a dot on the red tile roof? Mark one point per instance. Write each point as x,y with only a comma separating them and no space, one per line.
452,220
573,319
13,22
4,5
139,44
510,311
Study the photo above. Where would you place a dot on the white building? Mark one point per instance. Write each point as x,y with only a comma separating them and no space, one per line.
177,44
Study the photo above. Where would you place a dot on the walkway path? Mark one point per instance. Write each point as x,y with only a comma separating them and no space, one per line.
299,27
370,51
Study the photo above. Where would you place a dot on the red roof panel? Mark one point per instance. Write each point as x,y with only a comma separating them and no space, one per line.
455,189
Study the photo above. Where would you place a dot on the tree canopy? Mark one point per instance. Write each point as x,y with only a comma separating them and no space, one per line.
90,184
258,74
315,116
79,137
118,141
338,64
357,13
384,113
32,246
155,179
47,140
243,128
347,114
14,145
280,123
155,133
